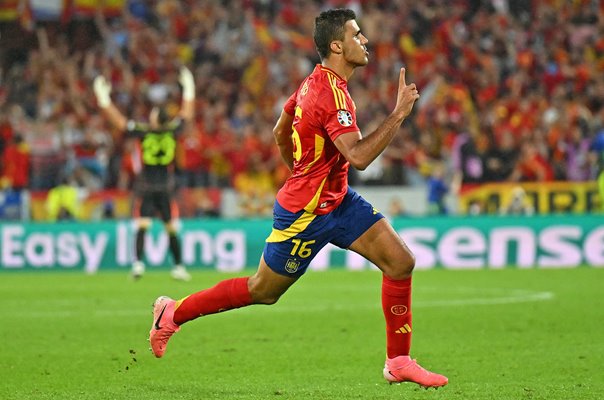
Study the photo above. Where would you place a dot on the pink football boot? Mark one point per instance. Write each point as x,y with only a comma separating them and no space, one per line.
163,325
404,369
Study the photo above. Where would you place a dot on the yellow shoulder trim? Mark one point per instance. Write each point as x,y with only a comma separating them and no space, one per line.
338,94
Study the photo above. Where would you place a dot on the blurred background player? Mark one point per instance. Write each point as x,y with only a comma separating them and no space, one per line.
319,139
154,184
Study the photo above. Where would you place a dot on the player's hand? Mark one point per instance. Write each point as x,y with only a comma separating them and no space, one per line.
406,96
188,83
102,91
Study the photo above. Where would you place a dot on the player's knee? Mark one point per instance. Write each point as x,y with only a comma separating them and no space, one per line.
269,300
264,298
401,268
262,293
143,223
170,227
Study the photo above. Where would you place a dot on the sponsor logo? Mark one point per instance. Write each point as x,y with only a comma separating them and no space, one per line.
398,309
292,265
344,117
403,329
161,314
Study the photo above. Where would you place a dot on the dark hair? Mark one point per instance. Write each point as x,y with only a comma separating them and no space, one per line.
329,26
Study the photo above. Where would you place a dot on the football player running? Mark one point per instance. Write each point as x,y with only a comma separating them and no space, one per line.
319,139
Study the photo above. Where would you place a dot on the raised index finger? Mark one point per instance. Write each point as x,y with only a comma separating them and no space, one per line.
402,77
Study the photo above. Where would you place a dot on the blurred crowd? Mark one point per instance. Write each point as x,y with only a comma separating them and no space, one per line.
511,90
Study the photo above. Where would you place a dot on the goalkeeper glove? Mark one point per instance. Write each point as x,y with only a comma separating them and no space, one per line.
102,91
188,84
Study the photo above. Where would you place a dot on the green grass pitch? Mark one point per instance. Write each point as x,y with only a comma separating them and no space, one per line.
506,334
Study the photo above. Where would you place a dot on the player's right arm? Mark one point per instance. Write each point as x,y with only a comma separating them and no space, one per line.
361,151
102,91
187,108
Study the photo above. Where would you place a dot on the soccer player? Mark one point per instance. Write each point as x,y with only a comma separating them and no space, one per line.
155,181
318,137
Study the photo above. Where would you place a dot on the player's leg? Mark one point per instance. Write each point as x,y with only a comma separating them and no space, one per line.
295,240
179,271
143,209
381,245
374,238
168,211
138,266
264,287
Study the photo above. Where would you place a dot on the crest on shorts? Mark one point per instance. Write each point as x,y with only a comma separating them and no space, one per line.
344,117
292,265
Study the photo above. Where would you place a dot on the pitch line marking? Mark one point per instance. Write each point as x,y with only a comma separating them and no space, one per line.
509,296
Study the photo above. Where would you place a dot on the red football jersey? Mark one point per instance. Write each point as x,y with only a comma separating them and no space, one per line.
323,110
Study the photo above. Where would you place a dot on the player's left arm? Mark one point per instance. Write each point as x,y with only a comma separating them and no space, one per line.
187,108
283,136
361,151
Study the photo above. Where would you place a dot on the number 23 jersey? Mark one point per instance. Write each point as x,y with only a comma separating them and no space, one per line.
157,154
323,110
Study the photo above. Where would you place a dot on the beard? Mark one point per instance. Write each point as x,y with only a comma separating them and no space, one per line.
358,60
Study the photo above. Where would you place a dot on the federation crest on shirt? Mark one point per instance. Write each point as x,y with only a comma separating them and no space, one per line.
344,117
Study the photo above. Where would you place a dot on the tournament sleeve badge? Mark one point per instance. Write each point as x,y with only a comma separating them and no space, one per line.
344,117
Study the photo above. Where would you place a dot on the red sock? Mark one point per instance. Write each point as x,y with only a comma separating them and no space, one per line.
224,296
396,304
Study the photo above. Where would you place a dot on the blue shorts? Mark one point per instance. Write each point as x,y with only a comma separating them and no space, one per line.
297,237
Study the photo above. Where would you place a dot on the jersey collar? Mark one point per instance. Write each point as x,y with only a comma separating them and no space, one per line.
324,68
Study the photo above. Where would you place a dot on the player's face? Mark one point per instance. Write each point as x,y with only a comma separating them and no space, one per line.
354,45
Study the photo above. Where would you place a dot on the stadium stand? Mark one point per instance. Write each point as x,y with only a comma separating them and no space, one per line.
511,91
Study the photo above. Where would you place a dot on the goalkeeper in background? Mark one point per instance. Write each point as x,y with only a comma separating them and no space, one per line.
155,182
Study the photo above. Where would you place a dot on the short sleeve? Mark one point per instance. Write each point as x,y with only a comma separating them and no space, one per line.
290,104
340,118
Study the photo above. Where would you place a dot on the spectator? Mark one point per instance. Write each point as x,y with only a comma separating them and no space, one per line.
596,157
192,164
519,203
532,166
575,148
500,158
396,208
63,201
482,70
437,190
16,160
255,188
91,155
6,131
